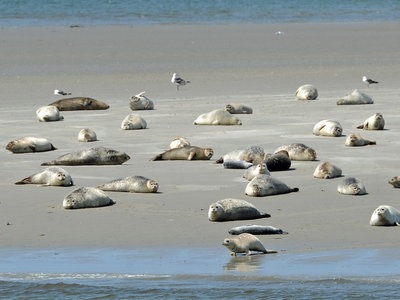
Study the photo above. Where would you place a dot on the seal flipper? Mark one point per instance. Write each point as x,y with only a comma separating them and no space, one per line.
26,180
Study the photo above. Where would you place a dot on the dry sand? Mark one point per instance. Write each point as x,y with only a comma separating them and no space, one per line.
230,63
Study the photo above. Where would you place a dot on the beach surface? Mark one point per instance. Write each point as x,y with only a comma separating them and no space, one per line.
250,64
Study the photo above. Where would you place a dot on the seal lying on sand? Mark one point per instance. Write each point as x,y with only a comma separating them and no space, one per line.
87,135
253,171
328,128
92,156
395,181
374,122
245,243
52,176
234,209
30,144
141,102
298,151
351,186
256,229
307,92
355,140
79,103
133,121
48,113
355,97
179,142
186,153
279,161
385,215
238,108
217,117
266,185
236,164
326,170
132,184
86,197
253,154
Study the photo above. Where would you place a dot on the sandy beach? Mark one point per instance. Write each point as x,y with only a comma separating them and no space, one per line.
225,63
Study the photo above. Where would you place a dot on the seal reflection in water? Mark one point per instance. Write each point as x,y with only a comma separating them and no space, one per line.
245,243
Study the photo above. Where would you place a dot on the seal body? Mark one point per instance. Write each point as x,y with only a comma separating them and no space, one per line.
52,176
236,164
238,108
48,113
351,186
179,142
86,197
30,144
279,161
266,185
133,121
132,184
234,209
253,171
307,92
186,153
374,122
87,135
92,156
355,97
395,181
328,128
253,154
141,102
385,215
79,103
355,140
256,230
326,170
245,243
217,117
298,151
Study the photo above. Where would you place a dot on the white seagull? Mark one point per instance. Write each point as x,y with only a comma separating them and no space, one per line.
61,93
178,81
368,81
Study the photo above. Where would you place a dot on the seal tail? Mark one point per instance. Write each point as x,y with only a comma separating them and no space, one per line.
23,181
48,163
294,189
267,251
265,215
157,157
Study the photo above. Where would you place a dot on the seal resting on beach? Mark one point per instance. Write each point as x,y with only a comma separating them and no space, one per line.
253,154
328,128
179,142
374,122
86,197
79,103
52,176
92,156
133,121
355,140
307,92
253,171
238,108
266,185
351,186
30,144
385,215
279,161
355,97
87,135
186,153
236,164
48,113
298,151
256,230
132,184
245,243
141,102
234,209
395,181
217,117
326,170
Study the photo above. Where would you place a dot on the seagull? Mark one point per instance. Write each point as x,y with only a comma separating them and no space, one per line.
178,81
61,93
368,81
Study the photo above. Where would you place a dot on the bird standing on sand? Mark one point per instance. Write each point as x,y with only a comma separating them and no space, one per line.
368,81
178,81
61,93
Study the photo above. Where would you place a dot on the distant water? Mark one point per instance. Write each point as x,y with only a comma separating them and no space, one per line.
17,13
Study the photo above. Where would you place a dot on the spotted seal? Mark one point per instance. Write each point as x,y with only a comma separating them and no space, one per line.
186,153
328,128
279,161
217,117
87,135
253,154
52,176
48,113
351,186
245,243
256,230
355,97
356,140
307,92
79,103
236,164
326,170
87,197
133,121
251,172
385,215
374,122
141,102
267,185
238,108
298,151
132,184
179,142
30,144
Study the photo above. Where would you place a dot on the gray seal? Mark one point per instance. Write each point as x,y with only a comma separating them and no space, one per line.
141,102
87,135
238,108
179,142
132,184
245,243
385,215
236,164
252,154
307,92
328,128
256,230
326,170
217,117
279,161
30,144
48,113
351,186
355,97
52,176
79,103
298,151
133,121
266,185
86,197
374,122
258,169
186,153
356,140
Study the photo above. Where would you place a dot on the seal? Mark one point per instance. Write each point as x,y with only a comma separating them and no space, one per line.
238,108
30,144
87,135
217,117
234,209
141,102
266,185
79,103
328,128
355,140
179,142
351,186
133,121
256,230
258,169
186,153
279,161
298,151
253,154
245,243
48,113
326,170
355,97
395,181
236,164
385,215
86,197
374,122
307,92
52,176
132,184
92,156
